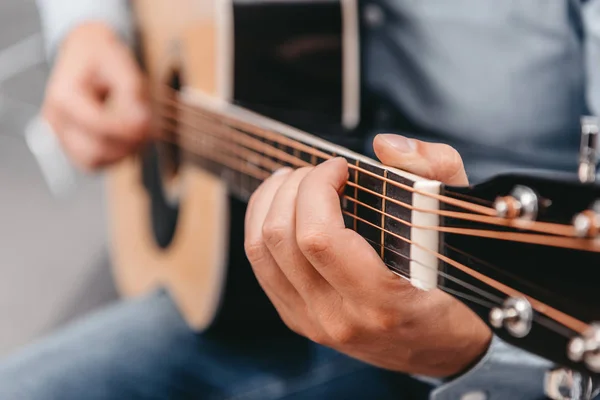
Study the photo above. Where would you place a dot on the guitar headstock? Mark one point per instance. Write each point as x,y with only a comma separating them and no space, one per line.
524,253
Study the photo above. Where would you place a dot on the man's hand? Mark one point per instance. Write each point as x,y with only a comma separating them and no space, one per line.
330,285
95,99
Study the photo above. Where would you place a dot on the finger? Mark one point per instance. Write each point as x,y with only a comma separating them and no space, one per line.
435,161
128,99
279,232
88,151
80,107
81,97
274,282
340,255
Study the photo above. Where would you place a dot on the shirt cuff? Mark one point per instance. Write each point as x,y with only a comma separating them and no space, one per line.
504,372
59,17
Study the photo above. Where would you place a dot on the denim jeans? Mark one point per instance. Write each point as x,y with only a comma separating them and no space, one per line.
142,349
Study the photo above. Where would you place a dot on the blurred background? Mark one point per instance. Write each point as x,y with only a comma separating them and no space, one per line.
53,252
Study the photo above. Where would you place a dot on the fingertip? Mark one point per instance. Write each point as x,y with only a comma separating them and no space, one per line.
282,171
385,144
337,164
333,172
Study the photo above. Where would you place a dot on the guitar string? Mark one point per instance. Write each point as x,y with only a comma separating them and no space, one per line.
568,321
545,227
564,242
458,281
565,319
493,299
567,242
284,140
487,265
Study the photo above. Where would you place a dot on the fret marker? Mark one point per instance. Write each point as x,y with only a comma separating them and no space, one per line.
424,265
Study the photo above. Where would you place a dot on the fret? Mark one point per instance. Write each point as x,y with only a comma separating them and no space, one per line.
350,192
397,251
370,214
355,180
306,157
282,147
273,145
384,191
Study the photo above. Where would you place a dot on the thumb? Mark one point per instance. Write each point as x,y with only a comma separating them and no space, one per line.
435,161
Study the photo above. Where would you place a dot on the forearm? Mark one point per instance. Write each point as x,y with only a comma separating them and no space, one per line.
59,17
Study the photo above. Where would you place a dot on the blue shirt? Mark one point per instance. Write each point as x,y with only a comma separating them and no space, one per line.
503,81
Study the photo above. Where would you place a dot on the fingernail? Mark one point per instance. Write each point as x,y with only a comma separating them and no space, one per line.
399,142
282,170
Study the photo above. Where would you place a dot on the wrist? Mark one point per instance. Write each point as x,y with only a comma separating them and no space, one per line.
476,347
89,32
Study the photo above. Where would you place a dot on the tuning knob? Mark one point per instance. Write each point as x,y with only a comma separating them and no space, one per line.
587,223
566,384
515,315
588,151
586,348
521,203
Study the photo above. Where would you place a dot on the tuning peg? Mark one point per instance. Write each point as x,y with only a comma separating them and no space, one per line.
587,223
588,151
586,348
521,203
515,315
567,384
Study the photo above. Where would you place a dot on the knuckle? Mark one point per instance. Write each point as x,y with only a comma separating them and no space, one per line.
274,233
316,245
342,333
385,321
89,164
255,251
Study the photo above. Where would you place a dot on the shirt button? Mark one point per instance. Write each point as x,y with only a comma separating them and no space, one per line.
373,15
475,395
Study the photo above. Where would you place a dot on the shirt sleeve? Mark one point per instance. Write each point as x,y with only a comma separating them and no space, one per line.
505,372
59,17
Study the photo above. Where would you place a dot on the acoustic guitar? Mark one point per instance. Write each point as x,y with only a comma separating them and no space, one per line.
242,88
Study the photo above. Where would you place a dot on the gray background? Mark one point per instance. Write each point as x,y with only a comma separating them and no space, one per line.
53,258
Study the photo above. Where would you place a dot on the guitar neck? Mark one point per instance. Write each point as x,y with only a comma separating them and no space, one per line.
391,209
436,236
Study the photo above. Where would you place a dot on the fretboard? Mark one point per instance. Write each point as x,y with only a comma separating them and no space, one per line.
387,207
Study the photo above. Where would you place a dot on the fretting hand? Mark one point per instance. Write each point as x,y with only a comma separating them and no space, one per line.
95,100
329,284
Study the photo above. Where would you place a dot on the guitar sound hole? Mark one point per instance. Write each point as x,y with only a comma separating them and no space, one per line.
169,154
162,169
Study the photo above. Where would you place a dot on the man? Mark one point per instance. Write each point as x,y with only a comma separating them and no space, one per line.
422,61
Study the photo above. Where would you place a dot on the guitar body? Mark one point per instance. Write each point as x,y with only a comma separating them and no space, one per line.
169,219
